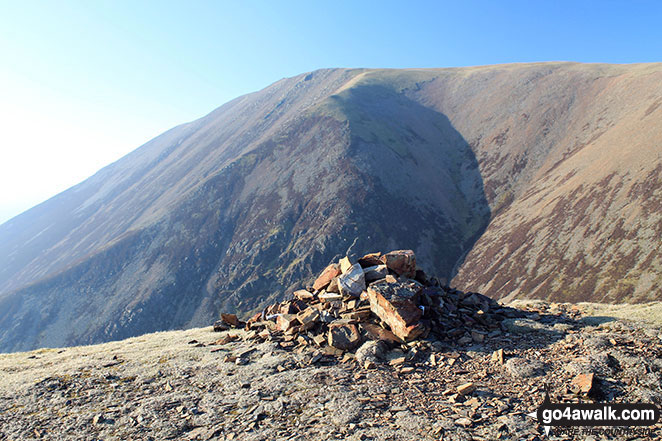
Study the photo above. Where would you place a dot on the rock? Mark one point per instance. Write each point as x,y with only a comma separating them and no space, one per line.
319,339
345,264
402,262
395,304
98,419
375,332
397,361
333,286
466,388
477,336
304,295
286,321
327,275
497,356
220,326
371,259
352,282
525,368
464,422
308,318
371,351
329,296
356,316
376,272
585,383
407,370
232,320
343,336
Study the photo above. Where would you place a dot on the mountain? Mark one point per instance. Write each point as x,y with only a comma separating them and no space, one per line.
531,180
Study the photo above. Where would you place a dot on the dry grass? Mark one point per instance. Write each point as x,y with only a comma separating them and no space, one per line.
141,356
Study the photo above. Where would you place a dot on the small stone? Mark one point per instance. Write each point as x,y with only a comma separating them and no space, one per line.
98,419
319,339
329,296
407,370
464,340
304,295
286,321
220,326
477,336
378,333
466,388
397,361
223,340
231,319
464,422
497,356
585,383
376,272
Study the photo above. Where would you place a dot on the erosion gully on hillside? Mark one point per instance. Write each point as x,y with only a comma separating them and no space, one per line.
355,364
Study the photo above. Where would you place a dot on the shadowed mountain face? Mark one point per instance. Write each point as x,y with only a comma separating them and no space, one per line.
538,180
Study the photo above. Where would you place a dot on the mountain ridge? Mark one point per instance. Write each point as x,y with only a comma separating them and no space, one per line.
228,211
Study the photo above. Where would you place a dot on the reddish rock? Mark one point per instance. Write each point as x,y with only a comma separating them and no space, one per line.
343,336
304,295
395,304
286,321
402,262
232,320
333,286
327,275
375,332
371,259
585,383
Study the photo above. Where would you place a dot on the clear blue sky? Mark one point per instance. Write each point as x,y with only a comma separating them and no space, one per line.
84,82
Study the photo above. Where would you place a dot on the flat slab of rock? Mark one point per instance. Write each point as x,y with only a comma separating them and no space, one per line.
327,275
376,272
395,304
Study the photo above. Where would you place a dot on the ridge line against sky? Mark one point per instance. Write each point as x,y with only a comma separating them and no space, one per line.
84,83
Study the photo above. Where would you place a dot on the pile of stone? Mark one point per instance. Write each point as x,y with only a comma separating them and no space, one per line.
379,297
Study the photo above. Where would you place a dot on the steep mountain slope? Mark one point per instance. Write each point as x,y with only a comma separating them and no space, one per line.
553,168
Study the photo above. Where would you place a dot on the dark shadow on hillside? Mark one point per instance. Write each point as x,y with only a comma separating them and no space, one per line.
418,186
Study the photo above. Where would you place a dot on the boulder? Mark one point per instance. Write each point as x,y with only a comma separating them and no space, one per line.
352,282
402,262
395,304
327,275
343,336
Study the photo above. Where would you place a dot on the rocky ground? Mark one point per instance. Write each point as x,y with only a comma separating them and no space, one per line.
181,385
